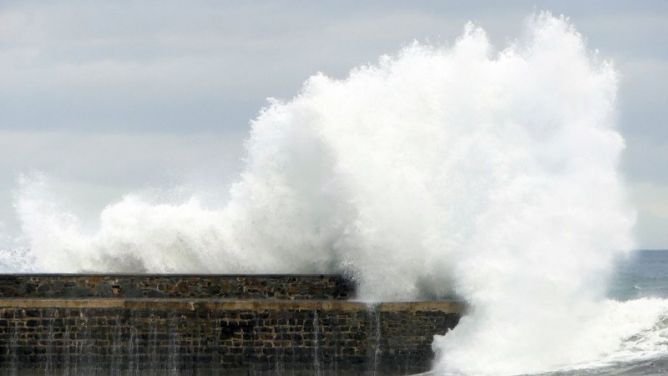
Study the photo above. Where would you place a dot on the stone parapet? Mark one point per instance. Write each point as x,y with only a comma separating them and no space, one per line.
176,286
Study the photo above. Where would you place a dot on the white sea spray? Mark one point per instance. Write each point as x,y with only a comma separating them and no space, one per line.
489,174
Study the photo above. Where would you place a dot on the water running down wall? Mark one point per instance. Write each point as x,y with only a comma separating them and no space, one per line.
44,333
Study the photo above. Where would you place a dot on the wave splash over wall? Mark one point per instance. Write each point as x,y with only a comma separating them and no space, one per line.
489,174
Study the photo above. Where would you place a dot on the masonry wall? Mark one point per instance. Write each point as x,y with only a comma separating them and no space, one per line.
213,336
247,286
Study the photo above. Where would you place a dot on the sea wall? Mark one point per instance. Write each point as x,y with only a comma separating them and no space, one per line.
176,286
207,336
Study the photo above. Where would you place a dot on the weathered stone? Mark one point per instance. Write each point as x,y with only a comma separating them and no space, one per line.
210,335
176,286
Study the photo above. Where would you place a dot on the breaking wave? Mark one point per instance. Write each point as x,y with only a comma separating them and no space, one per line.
441,170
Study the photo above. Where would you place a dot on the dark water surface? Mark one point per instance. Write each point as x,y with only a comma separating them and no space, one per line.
643,275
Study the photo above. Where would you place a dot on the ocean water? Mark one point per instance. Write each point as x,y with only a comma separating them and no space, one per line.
644,274
641,280
637,293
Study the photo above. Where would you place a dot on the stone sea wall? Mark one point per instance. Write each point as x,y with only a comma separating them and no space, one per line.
176,286
214,336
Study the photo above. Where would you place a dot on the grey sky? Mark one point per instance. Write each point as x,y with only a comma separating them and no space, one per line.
112,97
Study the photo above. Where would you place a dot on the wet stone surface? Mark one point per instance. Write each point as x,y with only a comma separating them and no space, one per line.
177,286
210,325
232,342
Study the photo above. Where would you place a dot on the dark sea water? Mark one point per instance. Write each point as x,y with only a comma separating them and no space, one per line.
643,275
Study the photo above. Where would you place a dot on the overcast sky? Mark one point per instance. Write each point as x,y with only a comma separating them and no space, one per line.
108,98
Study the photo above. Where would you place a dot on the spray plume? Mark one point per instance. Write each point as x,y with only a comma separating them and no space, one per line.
438,171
